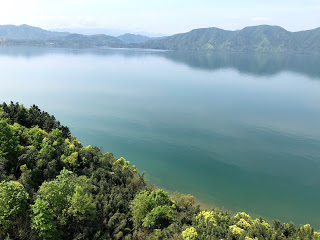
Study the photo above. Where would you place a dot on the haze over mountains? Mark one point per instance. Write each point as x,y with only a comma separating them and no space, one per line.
25,34
106,31
263,38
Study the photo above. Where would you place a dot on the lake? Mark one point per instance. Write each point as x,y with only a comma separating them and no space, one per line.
236,130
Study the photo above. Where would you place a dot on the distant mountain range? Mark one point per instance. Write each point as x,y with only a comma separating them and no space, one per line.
106,31
263,38
26,35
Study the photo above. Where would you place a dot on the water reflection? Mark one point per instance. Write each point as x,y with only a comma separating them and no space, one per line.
261,64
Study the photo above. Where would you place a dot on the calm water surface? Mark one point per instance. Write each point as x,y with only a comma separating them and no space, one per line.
237,130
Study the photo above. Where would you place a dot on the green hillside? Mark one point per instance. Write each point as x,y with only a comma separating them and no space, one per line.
262,38
78,40
133,38
27,33
52,187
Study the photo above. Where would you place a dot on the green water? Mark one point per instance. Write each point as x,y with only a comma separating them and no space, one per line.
237,130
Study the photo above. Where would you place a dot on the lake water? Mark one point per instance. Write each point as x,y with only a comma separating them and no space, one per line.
237,130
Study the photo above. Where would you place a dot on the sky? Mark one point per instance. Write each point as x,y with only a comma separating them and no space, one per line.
161,16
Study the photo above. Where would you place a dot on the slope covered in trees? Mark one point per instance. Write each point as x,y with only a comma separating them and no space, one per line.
133,38
262,38
26,32
29,35
52,187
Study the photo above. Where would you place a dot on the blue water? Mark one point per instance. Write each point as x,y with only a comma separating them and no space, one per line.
237,130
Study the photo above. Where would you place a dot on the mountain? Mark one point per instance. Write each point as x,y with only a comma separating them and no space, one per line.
133,38
25,32
28,35
310,40
107,31
79,40
263,38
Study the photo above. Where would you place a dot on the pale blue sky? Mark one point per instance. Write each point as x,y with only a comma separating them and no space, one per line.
161,16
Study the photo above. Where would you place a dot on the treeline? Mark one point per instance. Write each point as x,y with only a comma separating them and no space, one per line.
33,117
52,187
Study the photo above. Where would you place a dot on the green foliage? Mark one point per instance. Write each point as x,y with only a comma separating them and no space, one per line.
13,207
61,202
152,209
305,232
9,141
43,220
13,201
68,195
158,217
33,117
259,229
190,234
242,219
3,114
212,223
236,231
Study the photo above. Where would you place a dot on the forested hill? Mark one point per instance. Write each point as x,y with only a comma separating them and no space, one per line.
262,38
52,187
133,38
28,33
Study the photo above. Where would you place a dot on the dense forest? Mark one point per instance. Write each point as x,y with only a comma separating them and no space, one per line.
52,187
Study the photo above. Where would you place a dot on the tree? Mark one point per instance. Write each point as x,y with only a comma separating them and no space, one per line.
214,223
3,114
13,205
9,141
66,200
43,220
152,209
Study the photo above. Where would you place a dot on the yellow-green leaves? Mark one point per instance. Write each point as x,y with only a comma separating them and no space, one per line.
71,161
236,231
244,216
206,216
190,234
213,218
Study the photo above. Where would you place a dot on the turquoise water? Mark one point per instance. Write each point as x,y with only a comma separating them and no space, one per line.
237,130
